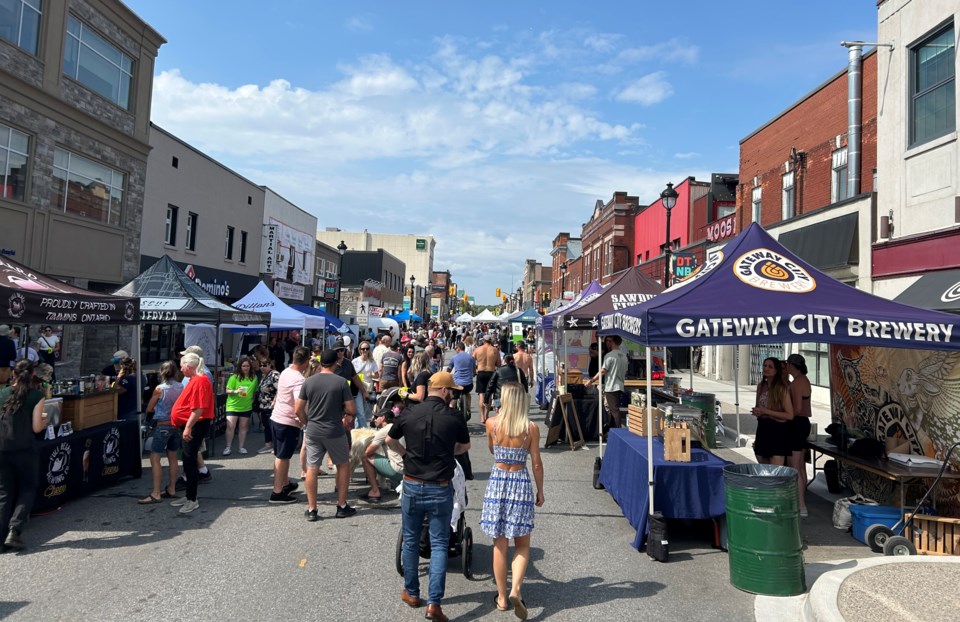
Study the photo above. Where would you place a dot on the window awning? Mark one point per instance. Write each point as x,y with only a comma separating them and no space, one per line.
939,291
825,245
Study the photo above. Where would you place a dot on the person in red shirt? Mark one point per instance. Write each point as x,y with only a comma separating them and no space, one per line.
192,413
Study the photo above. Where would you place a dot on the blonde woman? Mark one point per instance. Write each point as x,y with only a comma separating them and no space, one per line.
509,499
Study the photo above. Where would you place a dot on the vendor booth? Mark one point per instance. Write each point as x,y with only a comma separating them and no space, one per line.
282,316
756,291
487,316
94,450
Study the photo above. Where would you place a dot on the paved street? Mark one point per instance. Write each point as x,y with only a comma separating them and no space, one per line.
106,558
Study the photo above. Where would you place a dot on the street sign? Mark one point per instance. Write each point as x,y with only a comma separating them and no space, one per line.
363,312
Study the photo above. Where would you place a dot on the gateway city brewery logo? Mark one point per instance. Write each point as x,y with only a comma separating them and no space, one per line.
764,269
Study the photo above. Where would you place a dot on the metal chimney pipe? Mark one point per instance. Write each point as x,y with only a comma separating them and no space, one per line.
854,105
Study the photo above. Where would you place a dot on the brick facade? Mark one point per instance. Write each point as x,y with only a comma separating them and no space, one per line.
608,238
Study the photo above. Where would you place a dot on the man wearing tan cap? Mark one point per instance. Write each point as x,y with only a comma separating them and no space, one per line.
434,434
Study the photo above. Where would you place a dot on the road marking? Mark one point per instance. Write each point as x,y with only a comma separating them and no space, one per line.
303,563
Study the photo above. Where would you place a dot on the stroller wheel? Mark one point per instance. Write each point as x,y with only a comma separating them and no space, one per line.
466,552
899,546
400,553
876,536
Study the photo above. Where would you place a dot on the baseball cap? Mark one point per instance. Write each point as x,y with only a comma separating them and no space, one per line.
329,358
443,380
192,350
339,344
121,354
799,362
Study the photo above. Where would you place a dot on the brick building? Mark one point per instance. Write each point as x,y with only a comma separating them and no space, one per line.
608,238
564,252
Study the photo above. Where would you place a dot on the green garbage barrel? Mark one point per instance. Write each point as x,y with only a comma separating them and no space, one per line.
707,402
763,529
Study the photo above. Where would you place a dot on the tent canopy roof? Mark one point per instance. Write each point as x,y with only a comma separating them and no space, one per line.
168,295
590,292
282,315
631,288
756,291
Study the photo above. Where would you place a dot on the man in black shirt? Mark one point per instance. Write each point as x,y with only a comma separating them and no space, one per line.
434,435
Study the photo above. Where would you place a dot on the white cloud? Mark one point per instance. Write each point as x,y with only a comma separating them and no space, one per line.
686,155
358,24
651,89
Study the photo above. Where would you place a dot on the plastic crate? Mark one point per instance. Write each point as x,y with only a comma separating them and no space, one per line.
866,515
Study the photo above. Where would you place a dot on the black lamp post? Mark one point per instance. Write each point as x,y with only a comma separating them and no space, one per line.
563,279
519,298
341,248
413,297
669,199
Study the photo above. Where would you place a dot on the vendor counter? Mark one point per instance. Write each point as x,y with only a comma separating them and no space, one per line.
88,410
87,460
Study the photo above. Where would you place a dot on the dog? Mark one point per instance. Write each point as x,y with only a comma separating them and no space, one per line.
360,439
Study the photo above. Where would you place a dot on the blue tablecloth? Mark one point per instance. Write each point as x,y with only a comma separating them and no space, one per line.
683,489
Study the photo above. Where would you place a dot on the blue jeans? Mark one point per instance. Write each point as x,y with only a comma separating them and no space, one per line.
363,411
436,503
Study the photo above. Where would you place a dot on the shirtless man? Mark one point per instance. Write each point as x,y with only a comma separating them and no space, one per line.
524,362
488,359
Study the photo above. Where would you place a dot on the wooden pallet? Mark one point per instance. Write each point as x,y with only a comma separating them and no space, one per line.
676,443
935,535
637,420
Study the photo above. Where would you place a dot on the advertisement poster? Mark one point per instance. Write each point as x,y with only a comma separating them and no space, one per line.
294,254
907,399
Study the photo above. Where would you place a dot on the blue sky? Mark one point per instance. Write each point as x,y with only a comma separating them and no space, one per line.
494,125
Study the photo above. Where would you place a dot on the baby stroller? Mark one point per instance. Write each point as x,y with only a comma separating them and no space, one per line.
461,536
386,400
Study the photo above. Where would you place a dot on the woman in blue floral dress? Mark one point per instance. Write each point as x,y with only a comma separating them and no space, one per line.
508,503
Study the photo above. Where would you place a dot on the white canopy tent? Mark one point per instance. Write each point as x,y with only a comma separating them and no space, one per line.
485,316
464,317
282,315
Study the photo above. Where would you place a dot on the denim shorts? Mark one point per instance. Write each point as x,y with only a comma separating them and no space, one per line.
165,438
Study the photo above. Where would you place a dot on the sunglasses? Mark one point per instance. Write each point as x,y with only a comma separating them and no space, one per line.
364,349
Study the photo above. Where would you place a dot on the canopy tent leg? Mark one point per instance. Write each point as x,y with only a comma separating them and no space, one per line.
736,388
691,368
600,400
649,431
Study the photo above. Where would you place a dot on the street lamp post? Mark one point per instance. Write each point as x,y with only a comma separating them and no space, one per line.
413,298
563,280
341,248
669,199
519,298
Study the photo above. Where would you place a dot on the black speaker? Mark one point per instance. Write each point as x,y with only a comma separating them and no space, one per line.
831,471
658,545
597,463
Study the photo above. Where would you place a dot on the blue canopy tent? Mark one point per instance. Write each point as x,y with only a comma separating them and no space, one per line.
754,290
331,320
406,316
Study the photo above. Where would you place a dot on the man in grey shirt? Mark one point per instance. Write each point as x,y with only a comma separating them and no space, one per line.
614,372
327,409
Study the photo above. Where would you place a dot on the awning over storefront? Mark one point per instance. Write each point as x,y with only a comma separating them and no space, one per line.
935,290
825,245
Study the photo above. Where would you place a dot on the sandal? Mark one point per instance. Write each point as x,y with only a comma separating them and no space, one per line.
519,607
496,601
148,500
368,497
166,495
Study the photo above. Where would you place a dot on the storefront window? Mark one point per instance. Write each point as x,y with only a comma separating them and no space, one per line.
817,356
86,188
14,148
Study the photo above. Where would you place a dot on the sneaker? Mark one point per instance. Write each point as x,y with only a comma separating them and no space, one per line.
205,478
13,540
282,497
189,506
243,451
226,451
346,511
178,502
266,449
290,487
311,515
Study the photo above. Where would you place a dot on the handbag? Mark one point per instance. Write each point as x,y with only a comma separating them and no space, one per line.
842,518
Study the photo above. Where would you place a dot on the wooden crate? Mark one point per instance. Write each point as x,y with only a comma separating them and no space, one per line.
935,535
89,410
637,420
676,443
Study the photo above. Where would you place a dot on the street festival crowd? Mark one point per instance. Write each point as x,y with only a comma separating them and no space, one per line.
319,404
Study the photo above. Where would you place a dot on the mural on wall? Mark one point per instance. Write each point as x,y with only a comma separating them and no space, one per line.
907,399
295,250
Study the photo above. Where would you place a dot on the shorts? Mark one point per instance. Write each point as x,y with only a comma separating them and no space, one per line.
483,379
382,465
799,431
165,438
285,440
467,388
338,447
245,413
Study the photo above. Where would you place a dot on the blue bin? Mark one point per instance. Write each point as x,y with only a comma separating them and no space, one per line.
866,515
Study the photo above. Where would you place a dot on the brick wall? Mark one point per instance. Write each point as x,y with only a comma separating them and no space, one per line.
811,126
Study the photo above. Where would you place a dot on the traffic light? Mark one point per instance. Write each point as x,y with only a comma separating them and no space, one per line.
453,290
498,292
464,297
503,298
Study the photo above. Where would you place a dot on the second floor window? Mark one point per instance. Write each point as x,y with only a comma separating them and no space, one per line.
933,98
170,230
756,204
191,231
228,244
838,176
243,247
86,188
14,150
96,63
789,196
20,23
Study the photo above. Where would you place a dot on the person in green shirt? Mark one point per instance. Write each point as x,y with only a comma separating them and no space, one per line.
241,389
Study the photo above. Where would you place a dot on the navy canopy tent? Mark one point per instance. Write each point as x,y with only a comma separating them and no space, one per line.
590,292
335,322
631,288
756,291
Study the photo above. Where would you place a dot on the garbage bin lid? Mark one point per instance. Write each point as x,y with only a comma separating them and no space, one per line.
758,475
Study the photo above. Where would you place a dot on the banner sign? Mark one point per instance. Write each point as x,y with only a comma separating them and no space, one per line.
372,291
288,291
268,264
376,311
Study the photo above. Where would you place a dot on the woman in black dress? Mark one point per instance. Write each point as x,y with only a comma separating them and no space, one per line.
773,410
